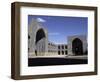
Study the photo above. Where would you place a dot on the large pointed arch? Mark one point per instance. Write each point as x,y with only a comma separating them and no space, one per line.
40,41
77,46
39,35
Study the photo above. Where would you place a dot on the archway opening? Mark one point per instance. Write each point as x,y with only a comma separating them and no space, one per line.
40,42
77,46
40,34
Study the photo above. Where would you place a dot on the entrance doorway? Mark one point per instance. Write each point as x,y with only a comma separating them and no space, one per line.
77,46
40,42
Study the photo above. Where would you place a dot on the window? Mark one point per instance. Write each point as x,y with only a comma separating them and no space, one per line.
66,52
58,47
28,36
65,46
62,52
58,52
62,46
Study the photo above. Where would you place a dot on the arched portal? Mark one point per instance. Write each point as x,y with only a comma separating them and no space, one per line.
77,46
40,42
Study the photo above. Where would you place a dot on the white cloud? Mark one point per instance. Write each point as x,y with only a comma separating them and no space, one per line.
41,20
56,33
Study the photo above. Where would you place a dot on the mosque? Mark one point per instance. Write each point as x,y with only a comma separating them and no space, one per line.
39,45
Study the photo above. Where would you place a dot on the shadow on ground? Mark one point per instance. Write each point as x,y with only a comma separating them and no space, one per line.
55,61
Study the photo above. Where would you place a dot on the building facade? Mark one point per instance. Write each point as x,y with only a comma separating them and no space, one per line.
52,49
37,39
62,49
77,45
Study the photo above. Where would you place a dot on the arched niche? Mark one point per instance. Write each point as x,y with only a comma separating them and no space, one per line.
77,46
40,42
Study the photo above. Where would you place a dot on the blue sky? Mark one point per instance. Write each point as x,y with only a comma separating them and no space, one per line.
60,27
